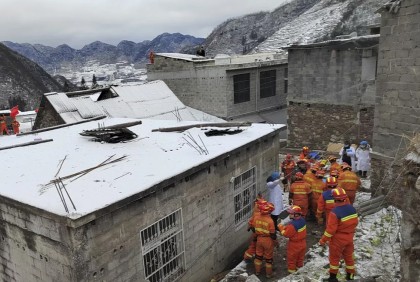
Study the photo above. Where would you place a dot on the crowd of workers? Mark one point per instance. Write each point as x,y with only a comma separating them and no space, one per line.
3,126
321,190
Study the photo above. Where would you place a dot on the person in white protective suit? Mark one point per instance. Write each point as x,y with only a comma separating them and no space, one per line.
363,158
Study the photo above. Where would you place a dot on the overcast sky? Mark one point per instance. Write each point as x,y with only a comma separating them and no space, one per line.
80,22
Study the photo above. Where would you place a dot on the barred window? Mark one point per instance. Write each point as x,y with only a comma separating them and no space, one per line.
163,249
241,88
245,193
267,83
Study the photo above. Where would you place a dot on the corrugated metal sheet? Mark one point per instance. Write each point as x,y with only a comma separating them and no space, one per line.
87,108
61,103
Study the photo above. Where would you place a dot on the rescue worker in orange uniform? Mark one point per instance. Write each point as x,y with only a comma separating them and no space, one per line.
334,173
333,163
295,230
152,57
3,125
300,193
266,239
318,186
15,125
309,176
304,153
326,201
349,181
250,252
287,167
340,230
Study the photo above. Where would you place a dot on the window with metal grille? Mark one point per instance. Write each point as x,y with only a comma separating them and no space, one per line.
245,193
163,249
241,88
267,83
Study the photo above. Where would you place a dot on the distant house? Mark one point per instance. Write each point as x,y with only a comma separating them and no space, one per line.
332,90
153,209
226,86
153,100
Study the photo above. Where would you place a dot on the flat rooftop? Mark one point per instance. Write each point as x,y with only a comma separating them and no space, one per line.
148,160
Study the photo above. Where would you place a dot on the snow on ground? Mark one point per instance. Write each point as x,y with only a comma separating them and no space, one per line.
377,251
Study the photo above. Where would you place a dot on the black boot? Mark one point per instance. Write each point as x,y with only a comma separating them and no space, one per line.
359,173
332,278
364,174
349,276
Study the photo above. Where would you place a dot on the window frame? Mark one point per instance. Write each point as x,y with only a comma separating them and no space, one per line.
245,193
241,88
268,84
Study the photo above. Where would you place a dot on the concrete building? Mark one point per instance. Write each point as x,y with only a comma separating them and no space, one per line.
152,209
396,160
332,90
153,100
226,86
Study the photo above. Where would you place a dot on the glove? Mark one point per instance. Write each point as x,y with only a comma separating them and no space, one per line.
321,242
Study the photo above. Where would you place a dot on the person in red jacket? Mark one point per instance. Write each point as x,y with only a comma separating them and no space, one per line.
287,167
3,125
340,230
15,125
304,153
300,193
318,186
296,232
349,181
250,252
326,201
266,239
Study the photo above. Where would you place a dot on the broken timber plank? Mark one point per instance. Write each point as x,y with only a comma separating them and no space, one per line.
126,124
183,128
26,144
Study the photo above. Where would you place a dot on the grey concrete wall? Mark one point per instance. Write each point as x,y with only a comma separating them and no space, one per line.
398,83
209,88
331,96
106,245
33,245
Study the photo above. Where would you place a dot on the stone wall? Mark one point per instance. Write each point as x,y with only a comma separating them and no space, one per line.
106,245
331,94
398,84
209,88
47,116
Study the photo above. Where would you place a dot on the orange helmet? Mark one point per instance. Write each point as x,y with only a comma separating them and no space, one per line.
339,194
299,175
332,182
345,166
314,168
294,210
334,173
305,149
320,173
271,206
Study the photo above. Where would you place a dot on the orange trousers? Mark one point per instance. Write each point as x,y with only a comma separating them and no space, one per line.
342,246
314,202
250,252
264,251
295,255
3,128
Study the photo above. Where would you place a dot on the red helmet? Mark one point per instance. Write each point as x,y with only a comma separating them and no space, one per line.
288,157
345,166
332,182
320,173
294,210
265,209
334,173
299,175
339,194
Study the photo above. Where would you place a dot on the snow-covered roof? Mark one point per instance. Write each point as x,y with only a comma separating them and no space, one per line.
180,56
365,41
152,100
150,159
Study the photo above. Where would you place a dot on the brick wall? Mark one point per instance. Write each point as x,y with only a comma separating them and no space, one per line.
331,95
398,83
106,245
209,88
